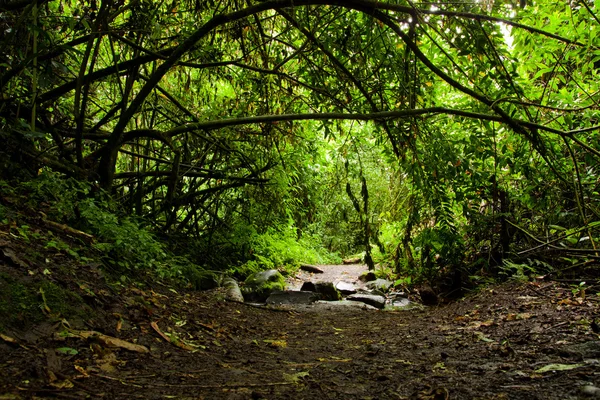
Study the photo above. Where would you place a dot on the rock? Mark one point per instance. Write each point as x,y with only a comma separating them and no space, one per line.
367,276
259,285
327,291
354,260
345,287
202,280
380,284
428,296
233,291
590,391
292,297
402,304
343,304
311,268
308,287
370,291
370,299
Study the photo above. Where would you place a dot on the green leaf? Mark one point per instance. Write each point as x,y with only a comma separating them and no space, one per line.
558,367
67,350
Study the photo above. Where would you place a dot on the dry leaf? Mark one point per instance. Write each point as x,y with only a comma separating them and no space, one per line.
8,339
110,341
173,340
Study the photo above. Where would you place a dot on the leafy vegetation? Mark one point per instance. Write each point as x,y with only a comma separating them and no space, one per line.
445,142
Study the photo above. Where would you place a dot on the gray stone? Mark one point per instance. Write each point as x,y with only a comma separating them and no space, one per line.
343,304
370,299
308,287
367,276
590,391
233,291
402,304
345,287
380,284
259,285
292,297
327,291
311,268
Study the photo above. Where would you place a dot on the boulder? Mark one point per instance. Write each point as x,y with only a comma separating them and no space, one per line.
201,279
308,287
345,287
402,304
367,276
260,285
327,291
370,299
354,260
311,268
380,284
428,296
232,290
292,297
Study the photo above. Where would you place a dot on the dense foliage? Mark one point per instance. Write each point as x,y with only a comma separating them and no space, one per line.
444,140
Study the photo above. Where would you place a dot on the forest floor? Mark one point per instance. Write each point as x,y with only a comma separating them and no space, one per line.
531,340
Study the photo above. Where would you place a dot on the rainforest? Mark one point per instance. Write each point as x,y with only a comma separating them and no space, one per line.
159,156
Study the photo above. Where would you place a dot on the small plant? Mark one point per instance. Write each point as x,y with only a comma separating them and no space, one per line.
579,290
519,272
406,281
61,246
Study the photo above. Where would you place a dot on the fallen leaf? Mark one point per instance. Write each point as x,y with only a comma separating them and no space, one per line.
81,370
482,337
276,343
295,378
66,384
8,339
67,350
558,367
171,339
110,341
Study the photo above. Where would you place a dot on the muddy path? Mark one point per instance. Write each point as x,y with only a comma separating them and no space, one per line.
515,341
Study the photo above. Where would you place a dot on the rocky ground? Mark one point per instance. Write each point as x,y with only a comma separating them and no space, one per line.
529,340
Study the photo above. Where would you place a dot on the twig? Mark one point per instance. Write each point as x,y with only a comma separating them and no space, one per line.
537,291
110,378
557,325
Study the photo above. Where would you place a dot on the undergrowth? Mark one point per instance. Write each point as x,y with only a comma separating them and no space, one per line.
284,251
125,244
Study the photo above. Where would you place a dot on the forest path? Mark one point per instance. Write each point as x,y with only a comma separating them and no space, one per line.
331,273
492,345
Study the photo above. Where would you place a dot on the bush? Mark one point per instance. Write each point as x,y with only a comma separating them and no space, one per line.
282,250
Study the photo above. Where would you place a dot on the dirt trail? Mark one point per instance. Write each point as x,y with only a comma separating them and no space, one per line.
493,345
331,273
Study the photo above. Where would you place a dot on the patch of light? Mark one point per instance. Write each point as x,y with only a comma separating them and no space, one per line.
508,39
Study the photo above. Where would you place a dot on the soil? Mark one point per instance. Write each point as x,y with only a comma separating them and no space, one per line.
535,340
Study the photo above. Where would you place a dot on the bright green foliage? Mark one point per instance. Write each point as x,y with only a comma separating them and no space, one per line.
285,251
236,129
